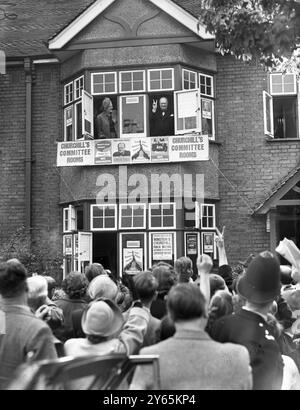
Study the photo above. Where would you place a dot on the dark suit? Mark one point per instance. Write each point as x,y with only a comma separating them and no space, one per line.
106,126
160,124
252,331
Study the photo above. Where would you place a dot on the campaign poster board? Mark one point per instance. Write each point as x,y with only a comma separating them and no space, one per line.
75,153
103,153
209,243
141,150
121,151
160,149
188,148
162,247
133,255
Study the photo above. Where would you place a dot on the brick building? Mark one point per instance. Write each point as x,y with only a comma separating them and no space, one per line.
236,127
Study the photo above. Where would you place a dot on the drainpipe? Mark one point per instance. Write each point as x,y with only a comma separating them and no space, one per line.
28,153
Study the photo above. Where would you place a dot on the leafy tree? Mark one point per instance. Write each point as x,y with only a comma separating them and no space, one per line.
266,29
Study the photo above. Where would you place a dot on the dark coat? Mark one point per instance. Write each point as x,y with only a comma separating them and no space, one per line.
162,125
252,331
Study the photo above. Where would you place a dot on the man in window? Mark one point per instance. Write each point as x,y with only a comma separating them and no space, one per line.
162,119
106,122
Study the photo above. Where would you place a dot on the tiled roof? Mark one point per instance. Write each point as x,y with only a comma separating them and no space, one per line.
39,20
277,187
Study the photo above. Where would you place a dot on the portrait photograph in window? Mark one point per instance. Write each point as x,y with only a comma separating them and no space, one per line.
121,149
133,116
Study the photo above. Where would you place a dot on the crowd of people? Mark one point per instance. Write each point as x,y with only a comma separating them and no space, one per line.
233,327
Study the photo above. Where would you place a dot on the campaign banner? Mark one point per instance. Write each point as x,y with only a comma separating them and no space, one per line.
75,153
162,246
135,150
189,148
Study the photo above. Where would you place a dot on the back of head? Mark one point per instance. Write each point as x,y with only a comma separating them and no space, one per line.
184,269
186,302
93,270
165,276
102,287
13,277
261,282
145,285
222,303
75,285
37,287
216,283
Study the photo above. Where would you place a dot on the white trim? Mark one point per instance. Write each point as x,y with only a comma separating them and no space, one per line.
70,107
145,261
122,206
182,79
80,252
76,120
65,94
150,244
149,71
197,115
160,228
104,73
212,85
137,135
213,228
85,18
132,91
265,97
294,92
212,138
103,206
77,80
298,102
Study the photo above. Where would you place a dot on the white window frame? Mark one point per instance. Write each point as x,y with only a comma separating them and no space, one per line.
198,115
87,113
132,72
138,135
160,228
149,71
212,138
114,206
186,233
272,76
66,93
184,70
123,206
174,233
213,206
69,108
105,92
212,84
69,219
78,89
76,121
266,97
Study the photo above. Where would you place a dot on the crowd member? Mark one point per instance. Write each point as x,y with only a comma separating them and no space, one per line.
106,333
191,360
40,303
146,289
22,335
74,286
166,277
260,286
93,270
184,269
52,286
220,305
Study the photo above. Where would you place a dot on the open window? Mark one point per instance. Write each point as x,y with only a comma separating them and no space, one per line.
87,116
187,111
268,114
69,219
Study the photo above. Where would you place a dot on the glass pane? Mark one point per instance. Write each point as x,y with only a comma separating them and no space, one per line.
210,211
109,78
155,222
138,76
126,77
289,88
98,223
98,79
211,222
138,86
109,88
155,85
69,132
168,221
126,222
277,88
208,81
98,88
168,210
166,74
138,222
204,210
126,211
156,210
109,223
202,89
167,84
154,75
133,115
78,120
98,212
138,211
186,85
126,87
110,211
276,79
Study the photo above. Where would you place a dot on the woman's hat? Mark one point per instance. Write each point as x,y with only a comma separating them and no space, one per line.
261,282
102,318
102,287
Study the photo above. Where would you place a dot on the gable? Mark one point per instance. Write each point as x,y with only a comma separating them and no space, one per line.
129,19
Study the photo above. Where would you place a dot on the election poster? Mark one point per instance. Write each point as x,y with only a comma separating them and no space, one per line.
189,148
140,150
75,153
159,149
133,260
103,154
162,246
121,149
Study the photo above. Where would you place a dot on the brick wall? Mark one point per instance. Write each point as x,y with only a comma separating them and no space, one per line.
12,152
251,165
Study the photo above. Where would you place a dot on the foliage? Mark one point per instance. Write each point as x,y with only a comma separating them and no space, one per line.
266,29
37,258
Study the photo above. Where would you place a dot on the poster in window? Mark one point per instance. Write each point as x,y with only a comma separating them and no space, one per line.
162,246
208,240
133,115
68,245
159,149
133,260
207,109
191,244
103,152
121,151
140,150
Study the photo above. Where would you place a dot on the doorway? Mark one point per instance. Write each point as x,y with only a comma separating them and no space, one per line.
105,250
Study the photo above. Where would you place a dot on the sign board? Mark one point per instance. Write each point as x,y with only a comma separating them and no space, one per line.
162,246
179,148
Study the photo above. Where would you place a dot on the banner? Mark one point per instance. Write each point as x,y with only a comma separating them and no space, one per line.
135,150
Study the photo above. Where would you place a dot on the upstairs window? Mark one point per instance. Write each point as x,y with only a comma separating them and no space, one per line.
103,217
132,216
208,218
104,83
162,216
206,85
189,80
161,79
281,107
132,81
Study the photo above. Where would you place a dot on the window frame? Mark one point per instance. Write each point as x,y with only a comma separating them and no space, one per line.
160,228
213,228
120,117
71,83
105,92
122,206
69,219
198,115
267,96
213,135
69,108
212,95
114,206
131,72
294,92
80,89
184,70
151,70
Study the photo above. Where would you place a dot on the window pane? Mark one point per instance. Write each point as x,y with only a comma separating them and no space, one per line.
154,75
109,88
166,74
285,117
168,210
138,212
156,210
138,86
126,222
109,223
155,85
110,78
78,111
277,88
126,87
98,88
166,83
138,76
133,115
138,222
126,212
155,222
202,89
98,223
109,211
168,221
98,212
126,77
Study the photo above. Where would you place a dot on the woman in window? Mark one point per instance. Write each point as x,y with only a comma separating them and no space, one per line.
106,122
